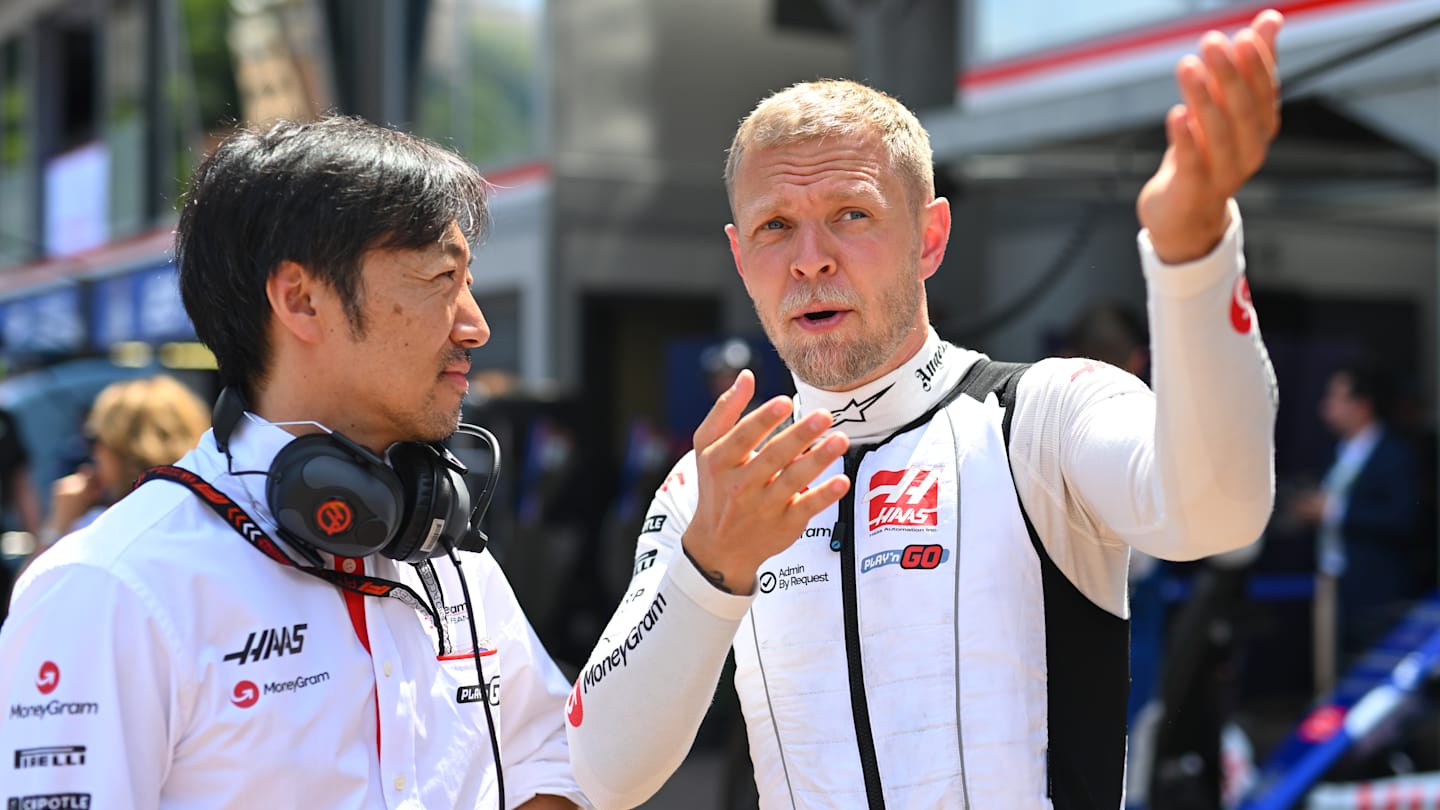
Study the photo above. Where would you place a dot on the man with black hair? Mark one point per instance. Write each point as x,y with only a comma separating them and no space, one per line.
297,614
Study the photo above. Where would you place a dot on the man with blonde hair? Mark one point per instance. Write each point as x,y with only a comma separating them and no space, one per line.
920,559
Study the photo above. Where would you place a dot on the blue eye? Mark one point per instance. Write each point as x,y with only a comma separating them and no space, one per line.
773,225
854,214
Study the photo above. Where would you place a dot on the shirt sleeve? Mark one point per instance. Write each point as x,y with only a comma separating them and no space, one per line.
533,750
1181,473
87,681
634,711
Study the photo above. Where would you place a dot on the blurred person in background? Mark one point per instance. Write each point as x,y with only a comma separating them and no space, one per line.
954,634
19,500
1366,513
300,612
134,425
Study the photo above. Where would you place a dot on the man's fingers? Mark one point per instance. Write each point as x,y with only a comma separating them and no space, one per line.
725,411
1258,68
736,446
802,471
1200,88
1184,152
791,442
1267,24
818,498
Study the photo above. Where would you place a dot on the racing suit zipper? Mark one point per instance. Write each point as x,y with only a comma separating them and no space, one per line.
842,539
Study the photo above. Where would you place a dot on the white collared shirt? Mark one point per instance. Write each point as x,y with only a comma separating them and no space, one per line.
156,659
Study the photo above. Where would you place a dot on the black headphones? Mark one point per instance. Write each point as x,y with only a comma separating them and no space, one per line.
326,492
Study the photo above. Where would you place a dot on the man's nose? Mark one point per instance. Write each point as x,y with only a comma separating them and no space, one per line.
814,253
470,328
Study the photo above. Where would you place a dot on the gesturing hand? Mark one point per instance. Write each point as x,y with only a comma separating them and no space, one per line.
1217,139
753,505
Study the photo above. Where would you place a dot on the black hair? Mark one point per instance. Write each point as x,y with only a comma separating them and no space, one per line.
1370,382
321,194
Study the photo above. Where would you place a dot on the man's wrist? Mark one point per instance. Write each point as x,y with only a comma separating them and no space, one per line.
729,583
1194,243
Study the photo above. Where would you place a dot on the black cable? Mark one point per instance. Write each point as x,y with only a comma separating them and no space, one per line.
480,673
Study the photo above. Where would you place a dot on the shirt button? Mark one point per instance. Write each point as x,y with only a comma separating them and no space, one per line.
400,783
348,566
387,669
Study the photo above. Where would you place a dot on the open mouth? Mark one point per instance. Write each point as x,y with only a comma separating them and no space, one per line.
820,319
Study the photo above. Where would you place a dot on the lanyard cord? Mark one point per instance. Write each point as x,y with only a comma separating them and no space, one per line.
246,527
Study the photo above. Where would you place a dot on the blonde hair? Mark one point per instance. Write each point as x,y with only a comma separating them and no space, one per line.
146,423
838,109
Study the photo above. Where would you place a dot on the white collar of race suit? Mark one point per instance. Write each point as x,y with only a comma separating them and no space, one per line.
875,410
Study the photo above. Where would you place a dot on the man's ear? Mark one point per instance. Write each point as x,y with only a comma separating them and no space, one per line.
734,236
934,235
292,292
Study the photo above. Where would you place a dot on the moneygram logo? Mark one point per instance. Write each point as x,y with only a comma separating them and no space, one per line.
21,711
48,679
575,707
245,694
904,499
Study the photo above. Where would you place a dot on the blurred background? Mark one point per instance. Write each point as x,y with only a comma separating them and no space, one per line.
612,298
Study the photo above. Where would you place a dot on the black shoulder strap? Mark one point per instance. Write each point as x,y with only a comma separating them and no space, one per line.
986,377
1087,653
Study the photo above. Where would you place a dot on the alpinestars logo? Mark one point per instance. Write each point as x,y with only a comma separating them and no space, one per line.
854,410
271,641
904,499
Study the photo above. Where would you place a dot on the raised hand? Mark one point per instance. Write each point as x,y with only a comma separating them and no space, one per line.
753,505
1217,139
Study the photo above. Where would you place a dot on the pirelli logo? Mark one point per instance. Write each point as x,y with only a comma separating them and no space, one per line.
55,756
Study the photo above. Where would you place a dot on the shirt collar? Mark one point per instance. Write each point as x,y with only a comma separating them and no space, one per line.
877,409
254,444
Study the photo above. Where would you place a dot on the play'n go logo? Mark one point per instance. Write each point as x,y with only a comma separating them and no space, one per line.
904,498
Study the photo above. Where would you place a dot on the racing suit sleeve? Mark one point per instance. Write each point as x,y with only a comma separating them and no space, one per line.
87,681
634,711
1103,464
533,749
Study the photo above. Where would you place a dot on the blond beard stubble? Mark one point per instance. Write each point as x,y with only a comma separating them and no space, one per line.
834,363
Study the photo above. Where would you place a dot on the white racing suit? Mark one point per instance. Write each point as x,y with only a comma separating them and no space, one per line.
918,646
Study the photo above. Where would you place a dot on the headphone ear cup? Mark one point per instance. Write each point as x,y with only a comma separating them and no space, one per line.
428,528
326,496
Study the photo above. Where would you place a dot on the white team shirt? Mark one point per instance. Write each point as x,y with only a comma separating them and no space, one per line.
1101,465
156,659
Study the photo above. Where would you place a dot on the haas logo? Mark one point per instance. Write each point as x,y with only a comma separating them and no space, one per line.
905,498
48,679
334,516
245,694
